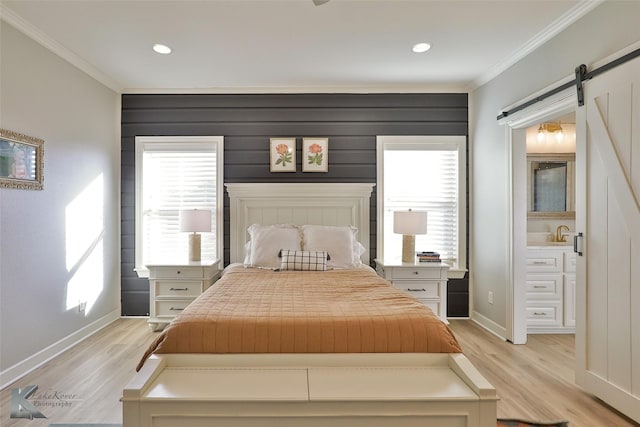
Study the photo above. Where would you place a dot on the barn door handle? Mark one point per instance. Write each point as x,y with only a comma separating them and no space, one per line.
577,243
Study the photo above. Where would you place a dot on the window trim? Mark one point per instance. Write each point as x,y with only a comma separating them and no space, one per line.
178,142
437,142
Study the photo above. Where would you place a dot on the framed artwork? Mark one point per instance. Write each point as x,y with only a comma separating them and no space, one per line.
21,161
315,152
283,155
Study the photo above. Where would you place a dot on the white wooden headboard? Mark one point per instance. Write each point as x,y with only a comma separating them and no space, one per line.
299,204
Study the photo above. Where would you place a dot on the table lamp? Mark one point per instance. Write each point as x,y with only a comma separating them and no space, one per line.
409,223
195,221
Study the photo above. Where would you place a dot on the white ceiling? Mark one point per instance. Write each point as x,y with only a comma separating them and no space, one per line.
289,46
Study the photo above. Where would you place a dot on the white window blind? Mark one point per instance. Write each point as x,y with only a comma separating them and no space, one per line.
423,174
174,176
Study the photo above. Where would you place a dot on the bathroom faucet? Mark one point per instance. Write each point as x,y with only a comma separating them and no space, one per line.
559,236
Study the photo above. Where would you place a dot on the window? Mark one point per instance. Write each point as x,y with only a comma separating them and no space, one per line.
174,173
424,173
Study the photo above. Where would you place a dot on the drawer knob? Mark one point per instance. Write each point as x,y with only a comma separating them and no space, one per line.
416,290
538,314
179,289
416,272
539,286
178,272
176,309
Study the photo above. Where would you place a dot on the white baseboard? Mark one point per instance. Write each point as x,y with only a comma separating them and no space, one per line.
489,325
555,330
20,369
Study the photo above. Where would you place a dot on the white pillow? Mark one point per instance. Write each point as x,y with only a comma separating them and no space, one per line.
267,241
247,253
339,242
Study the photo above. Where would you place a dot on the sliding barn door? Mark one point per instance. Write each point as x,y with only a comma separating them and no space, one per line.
608,327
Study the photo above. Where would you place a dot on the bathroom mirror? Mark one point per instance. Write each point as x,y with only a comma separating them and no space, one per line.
551,185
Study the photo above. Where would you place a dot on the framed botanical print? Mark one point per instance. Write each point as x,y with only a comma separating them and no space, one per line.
21,161
282,155
315,152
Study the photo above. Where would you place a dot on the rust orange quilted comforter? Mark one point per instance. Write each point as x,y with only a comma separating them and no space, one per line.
337,311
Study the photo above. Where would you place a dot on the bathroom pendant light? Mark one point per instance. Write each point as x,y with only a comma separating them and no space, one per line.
541,133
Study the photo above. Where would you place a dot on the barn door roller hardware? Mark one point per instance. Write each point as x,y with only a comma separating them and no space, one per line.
581,75
581,72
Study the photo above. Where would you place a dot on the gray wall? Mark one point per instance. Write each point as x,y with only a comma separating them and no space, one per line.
351,121
43,267
607,29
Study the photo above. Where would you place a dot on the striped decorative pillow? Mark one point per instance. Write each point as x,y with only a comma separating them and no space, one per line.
303,260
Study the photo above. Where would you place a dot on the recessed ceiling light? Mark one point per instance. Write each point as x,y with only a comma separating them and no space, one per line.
160,48
421,47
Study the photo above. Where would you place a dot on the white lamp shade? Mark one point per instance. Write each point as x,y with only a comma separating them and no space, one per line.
195,220
410,222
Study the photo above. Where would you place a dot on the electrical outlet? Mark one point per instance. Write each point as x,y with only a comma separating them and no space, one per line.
82,307
490,297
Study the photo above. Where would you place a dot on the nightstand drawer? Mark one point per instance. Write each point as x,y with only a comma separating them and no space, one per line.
174,286
176,272
418,289
415,273
186,288
426,282
171,307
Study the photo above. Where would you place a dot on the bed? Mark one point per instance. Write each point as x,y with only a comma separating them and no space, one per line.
355,351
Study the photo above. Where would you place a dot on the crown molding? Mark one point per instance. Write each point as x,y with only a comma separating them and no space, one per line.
564,21
236,90
13,19
552,30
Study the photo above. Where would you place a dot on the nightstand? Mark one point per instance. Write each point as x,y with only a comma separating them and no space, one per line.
425,281
174,286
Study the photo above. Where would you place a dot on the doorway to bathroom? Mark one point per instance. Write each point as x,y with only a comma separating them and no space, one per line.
550,277
541,285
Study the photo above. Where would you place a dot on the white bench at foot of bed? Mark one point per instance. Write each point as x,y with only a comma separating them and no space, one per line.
283,390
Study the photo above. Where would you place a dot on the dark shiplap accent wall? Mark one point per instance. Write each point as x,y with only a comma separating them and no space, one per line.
350,121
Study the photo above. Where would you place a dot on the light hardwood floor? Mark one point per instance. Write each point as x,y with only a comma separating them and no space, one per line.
534,381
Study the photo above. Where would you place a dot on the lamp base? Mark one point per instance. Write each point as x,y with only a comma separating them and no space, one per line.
194,247
408,248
